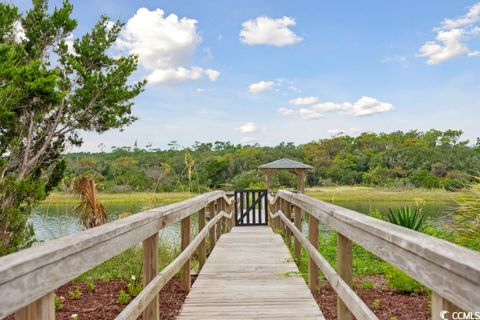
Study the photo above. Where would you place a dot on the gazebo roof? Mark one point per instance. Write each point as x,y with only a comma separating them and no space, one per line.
285,164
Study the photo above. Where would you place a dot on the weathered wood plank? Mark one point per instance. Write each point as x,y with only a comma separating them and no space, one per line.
150,268
450,270
32,273
42,309
249,275
345,271
202,248
312,266
186,281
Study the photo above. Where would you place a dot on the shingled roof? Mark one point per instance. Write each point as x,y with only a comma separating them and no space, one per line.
285,164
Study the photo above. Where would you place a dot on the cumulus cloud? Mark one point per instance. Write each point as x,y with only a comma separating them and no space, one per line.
260,86
302,101
249,127
286,111
164,45
452,38
365,106
265,30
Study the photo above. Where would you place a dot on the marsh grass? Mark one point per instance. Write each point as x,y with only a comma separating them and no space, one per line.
144,197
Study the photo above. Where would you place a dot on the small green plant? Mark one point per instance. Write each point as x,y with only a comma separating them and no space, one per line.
376,304
401,281
367,284
90,285
58,303
409,217
75,294
375,213
392,318
123,297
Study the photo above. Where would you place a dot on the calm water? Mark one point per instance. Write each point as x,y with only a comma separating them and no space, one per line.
57,220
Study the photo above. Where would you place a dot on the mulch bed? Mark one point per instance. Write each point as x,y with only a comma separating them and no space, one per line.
102,302
389,304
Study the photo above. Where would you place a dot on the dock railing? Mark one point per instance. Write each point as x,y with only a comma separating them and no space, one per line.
450,271
29,278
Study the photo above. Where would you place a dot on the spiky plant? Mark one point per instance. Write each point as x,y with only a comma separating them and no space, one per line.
467,217
90,211
409,217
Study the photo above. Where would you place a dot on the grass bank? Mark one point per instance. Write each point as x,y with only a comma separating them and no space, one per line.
144,197
359,193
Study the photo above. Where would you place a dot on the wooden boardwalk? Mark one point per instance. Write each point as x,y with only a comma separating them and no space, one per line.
250,275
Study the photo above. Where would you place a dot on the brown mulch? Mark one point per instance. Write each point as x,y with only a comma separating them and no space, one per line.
102,302
392,303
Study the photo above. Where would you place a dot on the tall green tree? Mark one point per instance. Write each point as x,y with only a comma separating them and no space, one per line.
50,90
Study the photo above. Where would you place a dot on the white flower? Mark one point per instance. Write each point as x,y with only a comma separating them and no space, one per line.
74,316
133,277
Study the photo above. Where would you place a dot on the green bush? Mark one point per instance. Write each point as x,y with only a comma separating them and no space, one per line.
398,280
123,297
408,217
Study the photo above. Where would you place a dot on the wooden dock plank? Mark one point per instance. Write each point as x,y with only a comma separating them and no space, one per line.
250,274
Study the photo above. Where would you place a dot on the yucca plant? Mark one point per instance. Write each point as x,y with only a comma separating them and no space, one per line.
90,211
409,217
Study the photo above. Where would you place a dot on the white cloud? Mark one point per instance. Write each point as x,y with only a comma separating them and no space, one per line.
402,60
248,127
309,114
260,86
265,30
247,141
19,32
286,111
452,38
336,132
302,101
364,106
164,45
200,90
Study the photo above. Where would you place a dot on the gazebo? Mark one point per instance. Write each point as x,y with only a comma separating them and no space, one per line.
298,168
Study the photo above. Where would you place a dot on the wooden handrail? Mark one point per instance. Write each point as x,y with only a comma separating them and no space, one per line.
33,273
137,305
451,271
351,299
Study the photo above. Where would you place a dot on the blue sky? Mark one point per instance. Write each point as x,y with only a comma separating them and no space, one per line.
358,65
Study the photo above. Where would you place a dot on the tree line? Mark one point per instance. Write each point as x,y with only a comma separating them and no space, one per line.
431,159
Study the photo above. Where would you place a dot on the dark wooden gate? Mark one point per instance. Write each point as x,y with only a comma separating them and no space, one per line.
251,207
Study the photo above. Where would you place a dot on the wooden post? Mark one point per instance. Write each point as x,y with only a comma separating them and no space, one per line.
440,304
150,268
41,309
211,234
298,225
202,248
312,267
344,269
218,208
288,234
233,209
186,237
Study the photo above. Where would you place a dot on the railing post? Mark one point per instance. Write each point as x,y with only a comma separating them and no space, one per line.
218,226
440,304
224,220
233,209
41,309
286,211
150,267
211,233
344,269
298,225
202,247
186,237
312,267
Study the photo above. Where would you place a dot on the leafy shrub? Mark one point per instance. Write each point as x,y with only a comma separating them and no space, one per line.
408,217
123,297
75,294
376,304
58,303
402,282
90,285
